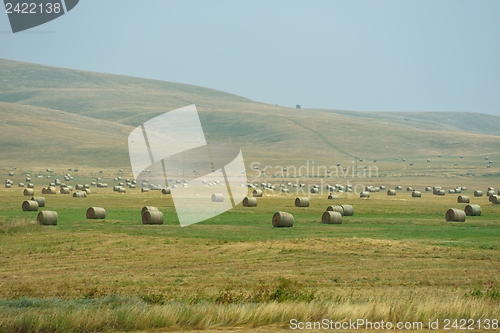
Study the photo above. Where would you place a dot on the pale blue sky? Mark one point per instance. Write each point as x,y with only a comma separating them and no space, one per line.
354,55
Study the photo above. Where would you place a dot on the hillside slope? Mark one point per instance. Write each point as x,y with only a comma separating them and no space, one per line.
55,115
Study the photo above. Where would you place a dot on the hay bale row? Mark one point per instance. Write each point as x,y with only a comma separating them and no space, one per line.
47,217
96,213
250,202
302,202
282,220
455,215
463,199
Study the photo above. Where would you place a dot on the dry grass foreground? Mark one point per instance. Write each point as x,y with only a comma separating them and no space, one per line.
88,281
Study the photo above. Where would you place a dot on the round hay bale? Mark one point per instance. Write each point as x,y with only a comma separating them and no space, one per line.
28,192
257,193
44,190
145,189
348,210
79,194
332,197
282,220
409,189
463,199
455,215
331,217
217,197
96,213
47,217
338,209
21,184
302,202
146,208
64,190
8,185
428,189
88,191
382,188
490,188
152,217
30,185
250,202
163,191
40,200
79,187
490,193
391,192
478,193
398,188
115,188
314,190
285,190
50,190
495,199
439,192
416,194
30,206
472,210
451,191
364,194
122,190
458,190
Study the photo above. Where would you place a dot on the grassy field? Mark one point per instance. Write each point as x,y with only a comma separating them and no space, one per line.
396,259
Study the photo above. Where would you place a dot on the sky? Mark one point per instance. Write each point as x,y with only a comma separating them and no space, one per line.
351,55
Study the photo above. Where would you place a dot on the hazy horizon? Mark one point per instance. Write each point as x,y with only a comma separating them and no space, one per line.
360,56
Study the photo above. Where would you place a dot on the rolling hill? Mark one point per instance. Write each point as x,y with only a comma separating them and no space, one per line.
54,116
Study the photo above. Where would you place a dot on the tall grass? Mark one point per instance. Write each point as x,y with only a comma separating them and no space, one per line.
117,313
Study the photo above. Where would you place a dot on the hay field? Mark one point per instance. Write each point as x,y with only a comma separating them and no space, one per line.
395,260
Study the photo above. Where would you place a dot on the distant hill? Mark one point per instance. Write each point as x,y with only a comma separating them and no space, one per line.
63,116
